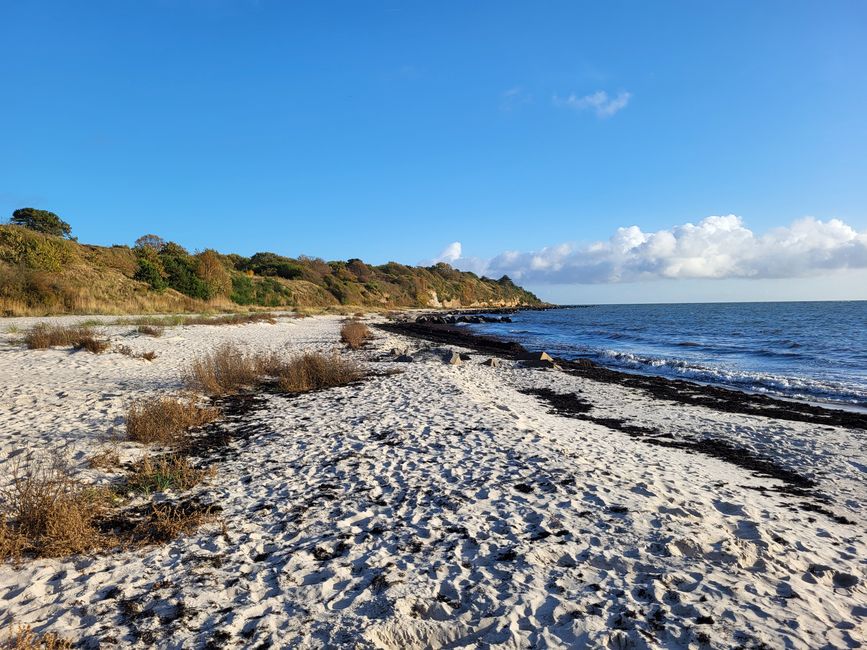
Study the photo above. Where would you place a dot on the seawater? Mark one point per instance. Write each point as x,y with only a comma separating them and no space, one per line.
813,351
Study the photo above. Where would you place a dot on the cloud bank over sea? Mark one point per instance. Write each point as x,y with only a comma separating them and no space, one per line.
717,247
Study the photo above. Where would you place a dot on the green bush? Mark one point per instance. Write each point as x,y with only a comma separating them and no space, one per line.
271,264
181,276
148,272
33,251
267,292
243,291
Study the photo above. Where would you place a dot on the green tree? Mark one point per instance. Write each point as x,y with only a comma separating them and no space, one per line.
41,221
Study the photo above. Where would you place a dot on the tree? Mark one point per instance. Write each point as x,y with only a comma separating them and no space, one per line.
212,272
41,221
154,242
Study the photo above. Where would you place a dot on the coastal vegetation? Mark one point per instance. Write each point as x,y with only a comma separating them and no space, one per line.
165,419
44,270
354,334
43,335
228,369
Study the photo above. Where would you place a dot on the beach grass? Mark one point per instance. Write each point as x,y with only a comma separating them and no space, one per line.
165,419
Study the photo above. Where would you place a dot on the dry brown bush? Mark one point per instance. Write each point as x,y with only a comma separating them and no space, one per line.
166,521
223,371
43,335
128,351
92,344
165,419
169,472
355,334
150,330
24,638
46,512
105,459
314,371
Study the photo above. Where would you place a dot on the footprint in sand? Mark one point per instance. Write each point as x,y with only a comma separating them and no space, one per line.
727,508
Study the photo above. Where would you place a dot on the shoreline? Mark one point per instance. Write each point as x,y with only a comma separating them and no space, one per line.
677,390
442,503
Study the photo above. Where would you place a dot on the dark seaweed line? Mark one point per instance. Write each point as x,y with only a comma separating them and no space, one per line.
793,484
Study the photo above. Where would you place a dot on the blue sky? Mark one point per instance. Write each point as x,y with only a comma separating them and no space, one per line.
390,130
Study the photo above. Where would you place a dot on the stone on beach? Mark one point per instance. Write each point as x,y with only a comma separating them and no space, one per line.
536,356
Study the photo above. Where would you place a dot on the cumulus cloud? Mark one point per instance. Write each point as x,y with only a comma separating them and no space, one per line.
716,247
599,102
450,254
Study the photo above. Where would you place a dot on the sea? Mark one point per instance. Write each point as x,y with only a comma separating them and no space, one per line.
809,351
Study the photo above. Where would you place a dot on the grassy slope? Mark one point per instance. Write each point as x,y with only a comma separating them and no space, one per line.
46,275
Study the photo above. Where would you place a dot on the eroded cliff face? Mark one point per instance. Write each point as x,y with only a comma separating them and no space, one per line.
434,302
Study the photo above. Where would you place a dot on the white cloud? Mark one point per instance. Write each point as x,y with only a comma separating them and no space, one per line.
514,98
599,102
450,254
717,247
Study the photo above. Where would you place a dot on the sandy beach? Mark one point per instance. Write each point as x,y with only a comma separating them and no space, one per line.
438,505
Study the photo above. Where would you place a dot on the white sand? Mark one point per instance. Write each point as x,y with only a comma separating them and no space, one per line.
443,508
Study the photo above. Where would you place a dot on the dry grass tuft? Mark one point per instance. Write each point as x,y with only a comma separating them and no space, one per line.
165,419
24,638
46,512
105,459
92,344
231,319
128,351
355,334
223,371
44,335
315,371
150,330
169,472
166,521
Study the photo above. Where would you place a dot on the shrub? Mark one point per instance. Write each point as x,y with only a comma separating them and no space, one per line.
150,330
18,246
165,419
43,335
274,265
314,371
170,472
92,344
128,351
167,521
149,272
243,291
46,512
355,334
181,275
225,370
24,638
